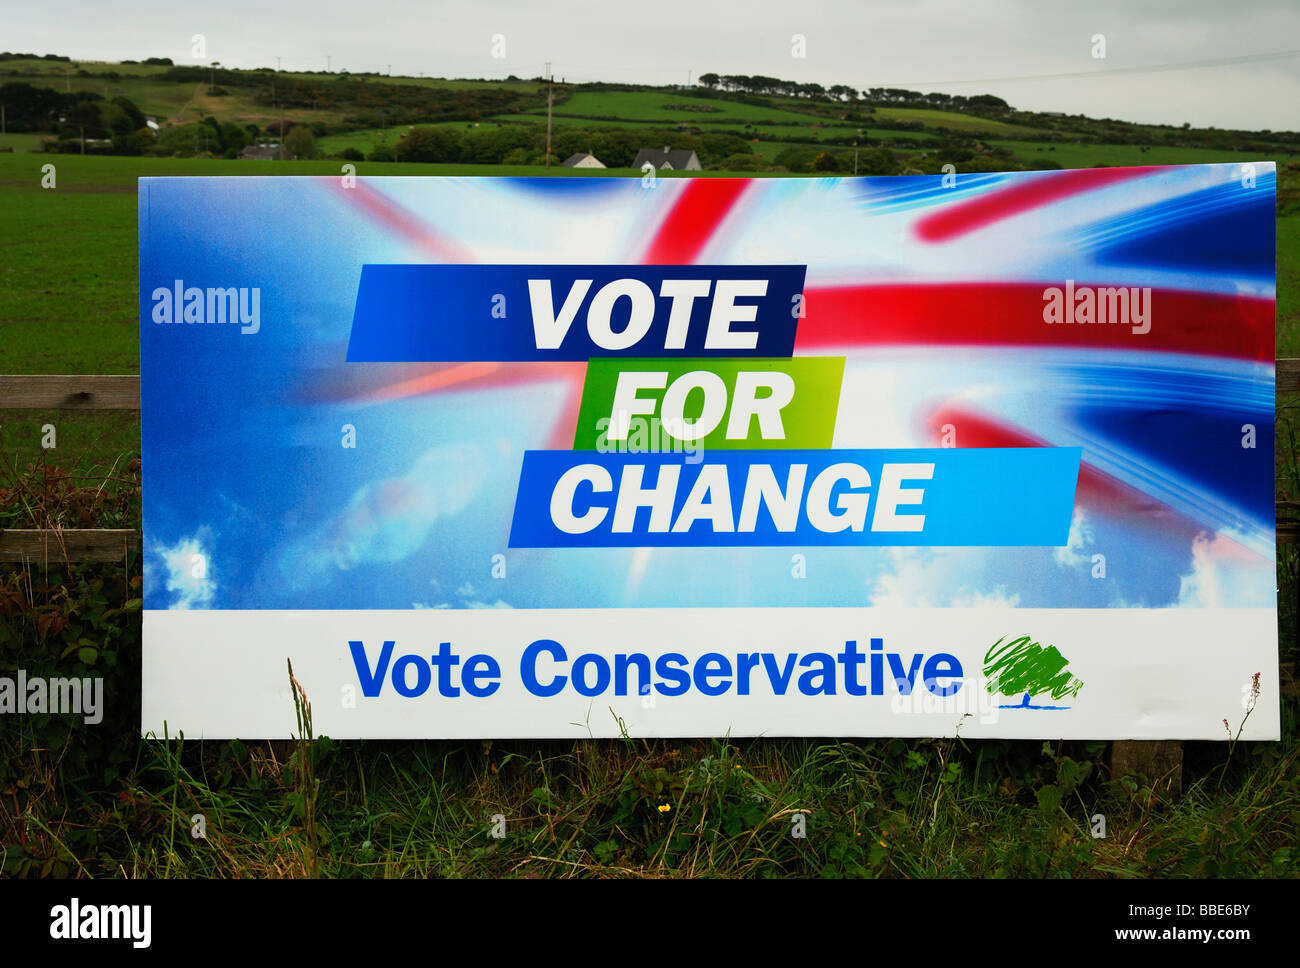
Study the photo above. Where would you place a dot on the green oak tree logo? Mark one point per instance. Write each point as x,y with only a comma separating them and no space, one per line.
1022,667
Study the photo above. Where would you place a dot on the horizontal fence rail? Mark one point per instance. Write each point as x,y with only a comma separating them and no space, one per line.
58,392
76,392
73,544
122,392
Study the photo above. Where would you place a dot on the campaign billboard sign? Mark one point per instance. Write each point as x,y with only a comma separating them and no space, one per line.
571,457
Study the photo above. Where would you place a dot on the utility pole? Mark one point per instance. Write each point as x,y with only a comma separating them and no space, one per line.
327,63
550,99
277,65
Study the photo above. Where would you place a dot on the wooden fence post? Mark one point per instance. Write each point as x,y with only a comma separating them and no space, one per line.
1160,761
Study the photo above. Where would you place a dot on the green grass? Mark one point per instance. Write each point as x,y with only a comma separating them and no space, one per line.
650,106
1090,156
180,103
957,122
807,132
1288,287
165,99
434,83
36,66
366,139
24,142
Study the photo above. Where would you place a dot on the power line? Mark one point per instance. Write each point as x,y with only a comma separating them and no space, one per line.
1111,72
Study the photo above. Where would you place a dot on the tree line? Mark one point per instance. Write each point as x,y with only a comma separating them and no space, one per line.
758,84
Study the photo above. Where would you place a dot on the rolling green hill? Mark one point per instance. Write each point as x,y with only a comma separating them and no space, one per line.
370,114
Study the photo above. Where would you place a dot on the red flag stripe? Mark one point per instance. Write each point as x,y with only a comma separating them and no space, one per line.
695,216
1011,314
964,217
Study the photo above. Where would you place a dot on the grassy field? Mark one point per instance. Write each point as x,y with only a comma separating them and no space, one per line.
1089,156
99,802
24,142
957,122
164,99
661,106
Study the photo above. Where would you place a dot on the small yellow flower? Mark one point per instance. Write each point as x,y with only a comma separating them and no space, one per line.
665,807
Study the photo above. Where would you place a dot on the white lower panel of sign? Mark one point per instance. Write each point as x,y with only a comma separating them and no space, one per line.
548,673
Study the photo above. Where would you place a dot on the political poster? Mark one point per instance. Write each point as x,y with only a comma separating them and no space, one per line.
976,454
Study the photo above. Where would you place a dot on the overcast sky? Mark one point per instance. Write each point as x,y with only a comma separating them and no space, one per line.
1004,46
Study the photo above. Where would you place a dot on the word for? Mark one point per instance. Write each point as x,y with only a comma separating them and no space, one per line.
759,395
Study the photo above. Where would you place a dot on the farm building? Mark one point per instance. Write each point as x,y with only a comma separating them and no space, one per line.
584,159
683,159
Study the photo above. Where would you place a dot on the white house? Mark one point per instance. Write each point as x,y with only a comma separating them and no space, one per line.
683,159
584,159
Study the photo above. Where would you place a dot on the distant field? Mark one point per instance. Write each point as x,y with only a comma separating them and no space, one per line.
811,131
957,122
575,122
1288,286
23,141
650,106
57,69
366,139
1089,156
442,83
163,99
177,102
240,107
